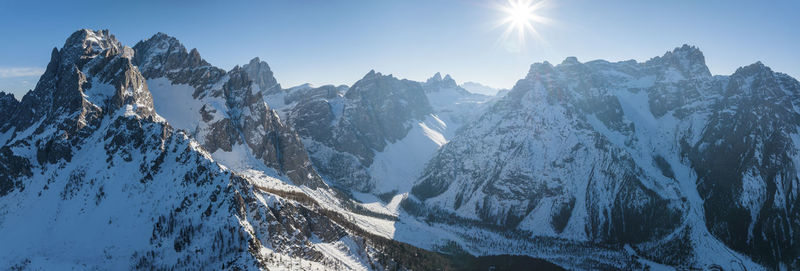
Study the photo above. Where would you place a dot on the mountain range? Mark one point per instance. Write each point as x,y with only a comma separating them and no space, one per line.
149,157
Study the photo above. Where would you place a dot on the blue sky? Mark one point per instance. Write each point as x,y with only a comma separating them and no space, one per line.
337,42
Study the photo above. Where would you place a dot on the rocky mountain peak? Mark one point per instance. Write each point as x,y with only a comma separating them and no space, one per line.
163,41
539,70
8,104
87,60
88,80
371,74
195,59
570,60
97,66
161,53
6,98
261,74
762,82
688,60
380,88
164,56
436,77
752,69
437,82
85,44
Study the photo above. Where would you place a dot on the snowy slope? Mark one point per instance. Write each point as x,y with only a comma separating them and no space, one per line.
150,157
94,178
614,153
224,110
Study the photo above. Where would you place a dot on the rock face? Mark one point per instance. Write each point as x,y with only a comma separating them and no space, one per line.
378,109
376,135
452,104
261,75
746,160
344,131
93,177
437,82
228,113
8,105
151,158
91,76
656,155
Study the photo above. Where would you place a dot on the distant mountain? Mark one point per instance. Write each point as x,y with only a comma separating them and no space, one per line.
376,135
479,88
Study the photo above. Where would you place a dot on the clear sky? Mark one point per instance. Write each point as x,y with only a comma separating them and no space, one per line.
337,42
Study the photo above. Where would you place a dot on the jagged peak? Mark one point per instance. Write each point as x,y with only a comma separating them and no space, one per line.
689,52
163,54
93,74
570,60
436,77
438,82
162,37
257,63
753,69
686,49
373,78
161,43
85,38
686,58
538,69
371,73
85,44
256,60
261,74
6,95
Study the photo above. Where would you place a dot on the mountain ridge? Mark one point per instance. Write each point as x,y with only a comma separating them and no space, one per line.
594,165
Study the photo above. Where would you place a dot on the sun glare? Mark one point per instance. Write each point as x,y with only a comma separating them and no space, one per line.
521,18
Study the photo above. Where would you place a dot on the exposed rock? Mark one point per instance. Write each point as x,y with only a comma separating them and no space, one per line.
8,106
659,150
343,131
236,97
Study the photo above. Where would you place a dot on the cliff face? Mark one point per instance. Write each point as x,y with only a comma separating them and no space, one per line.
225,111
631,153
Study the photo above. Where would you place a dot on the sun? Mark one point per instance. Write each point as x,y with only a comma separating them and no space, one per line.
520,14
521,17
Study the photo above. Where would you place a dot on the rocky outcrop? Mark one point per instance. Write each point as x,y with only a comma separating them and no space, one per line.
344,131
90,78
165,56
259,72
8,106
437,82
378,112
746,161
233,110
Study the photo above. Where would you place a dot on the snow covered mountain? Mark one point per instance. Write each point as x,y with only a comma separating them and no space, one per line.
479,88
688,169
376,135
224,111
93,177
152,158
